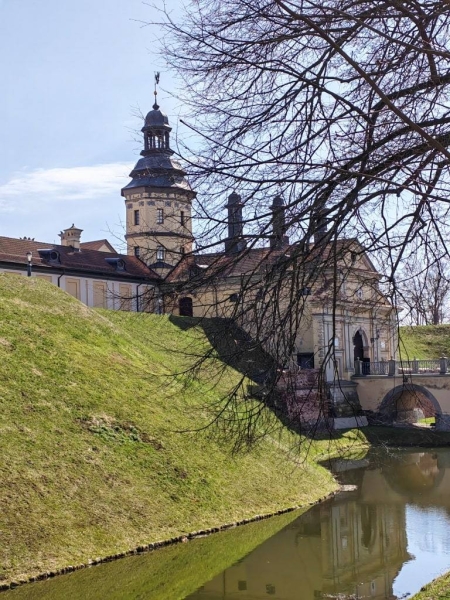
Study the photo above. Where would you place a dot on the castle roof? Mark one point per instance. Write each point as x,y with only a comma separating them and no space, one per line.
13,252
251,261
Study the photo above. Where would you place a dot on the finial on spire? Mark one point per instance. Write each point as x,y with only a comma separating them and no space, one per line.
155,106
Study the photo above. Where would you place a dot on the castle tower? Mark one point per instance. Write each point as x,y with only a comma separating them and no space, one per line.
158,200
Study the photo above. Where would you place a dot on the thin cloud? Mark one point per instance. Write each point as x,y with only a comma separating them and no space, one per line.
54,186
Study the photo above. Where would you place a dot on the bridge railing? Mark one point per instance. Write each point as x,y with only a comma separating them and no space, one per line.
419,366
438,366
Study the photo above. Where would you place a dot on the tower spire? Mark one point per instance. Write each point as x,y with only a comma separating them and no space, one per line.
156,106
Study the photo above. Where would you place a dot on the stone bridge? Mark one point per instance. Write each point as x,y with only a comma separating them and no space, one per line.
405,390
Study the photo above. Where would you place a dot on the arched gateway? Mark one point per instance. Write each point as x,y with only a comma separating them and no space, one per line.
408,403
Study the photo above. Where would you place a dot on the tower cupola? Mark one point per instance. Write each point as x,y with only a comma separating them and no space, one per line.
156,132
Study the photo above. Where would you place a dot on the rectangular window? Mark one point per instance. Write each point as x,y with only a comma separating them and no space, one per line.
160,216
305,360
136,217
182,218
125,294
46,277
73,287
160,253
137,251
99,294
182,251
305,291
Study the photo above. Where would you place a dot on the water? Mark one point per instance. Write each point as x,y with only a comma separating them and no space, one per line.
383,539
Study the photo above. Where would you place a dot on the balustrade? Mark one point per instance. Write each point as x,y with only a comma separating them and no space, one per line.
438,366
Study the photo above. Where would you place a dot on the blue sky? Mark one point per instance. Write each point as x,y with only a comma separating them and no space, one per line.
74,74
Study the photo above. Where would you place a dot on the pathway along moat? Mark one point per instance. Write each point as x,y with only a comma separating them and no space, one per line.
383,540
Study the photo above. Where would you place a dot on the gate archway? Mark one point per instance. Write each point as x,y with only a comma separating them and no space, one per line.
408,403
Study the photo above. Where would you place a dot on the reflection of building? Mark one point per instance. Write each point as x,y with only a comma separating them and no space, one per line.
343,546
365,542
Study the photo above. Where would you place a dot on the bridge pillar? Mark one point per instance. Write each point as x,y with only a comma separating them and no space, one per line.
391,367
443,365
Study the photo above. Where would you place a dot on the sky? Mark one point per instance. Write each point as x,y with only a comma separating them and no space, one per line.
74,75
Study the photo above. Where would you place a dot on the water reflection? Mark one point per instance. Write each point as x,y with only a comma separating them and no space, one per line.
382,541
355,546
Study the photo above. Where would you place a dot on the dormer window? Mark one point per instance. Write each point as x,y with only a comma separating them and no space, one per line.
50,255
117,263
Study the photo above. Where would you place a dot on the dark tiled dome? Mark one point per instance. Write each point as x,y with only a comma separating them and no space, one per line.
156,118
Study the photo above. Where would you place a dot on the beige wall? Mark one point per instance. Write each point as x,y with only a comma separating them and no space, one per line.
149,234
110,294
317,328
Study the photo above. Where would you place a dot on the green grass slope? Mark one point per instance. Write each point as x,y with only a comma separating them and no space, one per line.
92,459
425,341
439,589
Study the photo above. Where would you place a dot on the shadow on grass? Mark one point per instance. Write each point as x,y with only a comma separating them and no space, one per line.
234,347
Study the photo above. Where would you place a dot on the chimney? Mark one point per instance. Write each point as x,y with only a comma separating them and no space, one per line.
71,237
235,242
278,239
319,223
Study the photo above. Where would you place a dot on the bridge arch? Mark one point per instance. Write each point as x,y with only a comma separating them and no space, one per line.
406,402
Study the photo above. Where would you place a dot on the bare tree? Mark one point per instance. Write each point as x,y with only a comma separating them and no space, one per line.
425,292
340,106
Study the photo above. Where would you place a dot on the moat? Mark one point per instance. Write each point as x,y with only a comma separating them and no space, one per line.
384,538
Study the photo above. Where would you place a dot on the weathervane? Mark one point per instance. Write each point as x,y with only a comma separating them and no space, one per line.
155,106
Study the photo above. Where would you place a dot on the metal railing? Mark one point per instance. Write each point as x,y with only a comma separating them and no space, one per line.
375,368
438,366
419,366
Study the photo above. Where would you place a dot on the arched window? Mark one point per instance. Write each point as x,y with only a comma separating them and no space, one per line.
358,346
185,307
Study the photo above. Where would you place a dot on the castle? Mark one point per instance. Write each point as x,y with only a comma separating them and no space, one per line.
161,273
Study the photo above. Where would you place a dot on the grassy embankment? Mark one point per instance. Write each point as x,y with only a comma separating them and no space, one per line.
92,461
427,341
439,589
